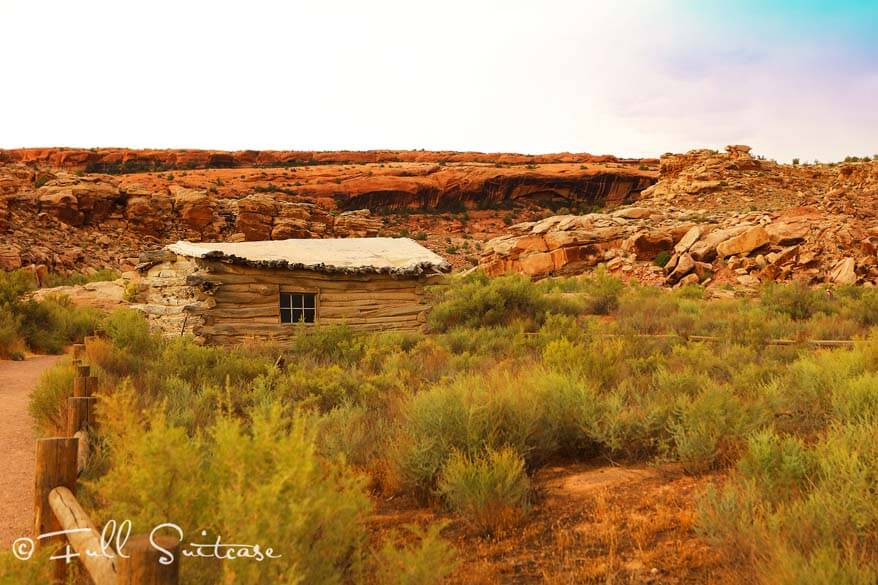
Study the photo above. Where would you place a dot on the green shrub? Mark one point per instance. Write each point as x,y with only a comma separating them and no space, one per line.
490,491
77,278
602,292
245,484
12,343
13,285
662,258
779,467
333,344
477,301
48,401
128,330
798,301
426,561
709,429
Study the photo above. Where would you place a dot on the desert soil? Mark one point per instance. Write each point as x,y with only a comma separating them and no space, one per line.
17,380
591,523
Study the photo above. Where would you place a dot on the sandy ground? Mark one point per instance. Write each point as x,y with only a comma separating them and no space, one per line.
17,379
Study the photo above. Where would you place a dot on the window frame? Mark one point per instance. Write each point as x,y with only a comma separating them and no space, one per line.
290,293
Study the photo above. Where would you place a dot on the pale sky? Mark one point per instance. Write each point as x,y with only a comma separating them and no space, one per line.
628,77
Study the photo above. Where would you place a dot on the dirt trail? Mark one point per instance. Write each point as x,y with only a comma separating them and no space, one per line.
17,379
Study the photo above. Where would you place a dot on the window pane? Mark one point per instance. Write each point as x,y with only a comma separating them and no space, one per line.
286,316
309,301
285,301
309,315
297,301
297,315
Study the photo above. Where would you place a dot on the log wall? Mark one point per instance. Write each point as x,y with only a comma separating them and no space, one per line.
229,303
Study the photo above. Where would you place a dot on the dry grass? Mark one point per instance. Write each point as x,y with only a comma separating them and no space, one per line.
589,524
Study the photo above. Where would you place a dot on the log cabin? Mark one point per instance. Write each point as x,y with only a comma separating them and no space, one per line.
230,293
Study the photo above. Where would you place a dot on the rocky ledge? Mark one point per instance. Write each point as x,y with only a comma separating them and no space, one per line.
716,218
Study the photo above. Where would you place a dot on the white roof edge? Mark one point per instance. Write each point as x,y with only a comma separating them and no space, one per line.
364,255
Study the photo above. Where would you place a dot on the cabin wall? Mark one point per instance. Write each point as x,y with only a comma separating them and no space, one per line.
170,303
229,303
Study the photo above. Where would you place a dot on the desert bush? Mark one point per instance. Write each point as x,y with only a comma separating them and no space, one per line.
13,285
477,301
128,330
778,466
48,401
56,279
534,412
43,326
48,326
329,344
489,490
12,344
643,310
599,292
710,429
426,561
160,474
798,301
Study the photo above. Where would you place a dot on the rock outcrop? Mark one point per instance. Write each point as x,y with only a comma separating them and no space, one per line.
717,218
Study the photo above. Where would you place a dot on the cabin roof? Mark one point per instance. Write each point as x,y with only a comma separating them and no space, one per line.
399,256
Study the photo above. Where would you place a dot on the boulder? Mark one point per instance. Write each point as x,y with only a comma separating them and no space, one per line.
786,233
705,248
689,279
752,239
844,272
256,216
688,240
194,206
647,245
685,264
633,213
61,203
538,264
149,214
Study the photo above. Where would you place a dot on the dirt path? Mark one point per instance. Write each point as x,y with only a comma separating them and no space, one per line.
17,379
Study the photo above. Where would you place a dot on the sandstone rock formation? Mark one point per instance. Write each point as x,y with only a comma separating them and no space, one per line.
720,218
75,209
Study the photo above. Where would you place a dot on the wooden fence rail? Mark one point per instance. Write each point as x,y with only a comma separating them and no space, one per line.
61,522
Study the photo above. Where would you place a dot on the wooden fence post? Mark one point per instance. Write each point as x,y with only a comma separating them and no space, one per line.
142,567
80,413
55,467
81,381
78,351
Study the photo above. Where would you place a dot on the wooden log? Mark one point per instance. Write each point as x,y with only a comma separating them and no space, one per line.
55,467
142,567
310,282
92,385
246,298
376,311
83,536
80,386
83,371
219,312
80,413
78,351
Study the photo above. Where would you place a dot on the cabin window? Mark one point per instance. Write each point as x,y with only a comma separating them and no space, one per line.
298,307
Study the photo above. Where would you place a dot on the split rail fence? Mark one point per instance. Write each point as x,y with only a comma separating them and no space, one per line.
60,521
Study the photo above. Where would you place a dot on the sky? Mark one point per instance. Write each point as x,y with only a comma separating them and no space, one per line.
628,77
